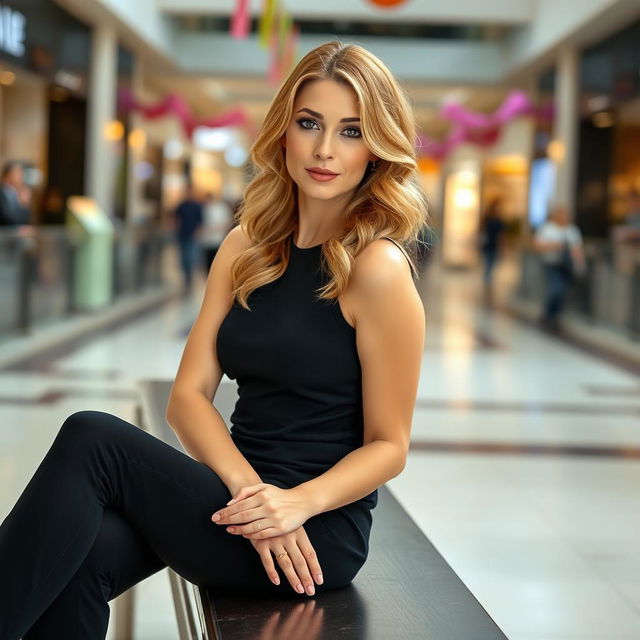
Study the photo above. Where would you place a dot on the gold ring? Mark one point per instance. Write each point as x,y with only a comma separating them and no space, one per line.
282,555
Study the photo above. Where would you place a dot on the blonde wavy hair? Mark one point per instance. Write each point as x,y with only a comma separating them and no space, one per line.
389,200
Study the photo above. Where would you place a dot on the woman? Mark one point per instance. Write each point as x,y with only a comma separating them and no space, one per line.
318,318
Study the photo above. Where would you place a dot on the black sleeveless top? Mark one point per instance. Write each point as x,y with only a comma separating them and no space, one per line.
294,357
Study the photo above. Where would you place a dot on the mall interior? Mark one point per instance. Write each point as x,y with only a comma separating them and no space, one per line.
117,117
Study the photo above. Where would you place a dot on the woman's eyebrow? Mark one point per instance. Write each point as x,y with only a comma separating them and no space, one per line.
315,114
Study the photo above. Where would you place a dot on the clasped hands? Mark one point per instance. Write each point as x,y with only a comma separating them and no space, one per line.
262,511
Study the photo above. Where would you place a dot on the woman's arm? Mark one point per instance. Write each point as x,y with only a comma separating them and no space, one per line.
203,433
190,413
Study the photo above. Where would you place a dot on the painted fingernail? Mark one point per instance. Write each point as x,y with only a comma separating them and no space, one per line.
276,580
319,578
310,589
216,517
231,529
300,589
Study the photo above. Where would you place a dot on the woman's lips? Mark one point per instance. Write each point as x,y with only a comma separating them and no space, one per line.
322,177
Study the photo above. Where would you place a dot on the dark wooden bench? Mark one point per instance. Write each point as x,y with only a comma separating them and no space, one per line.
405,590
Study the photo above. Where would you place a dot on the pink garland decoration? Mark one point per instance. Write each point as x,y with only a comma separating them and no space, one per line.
478,128
175,105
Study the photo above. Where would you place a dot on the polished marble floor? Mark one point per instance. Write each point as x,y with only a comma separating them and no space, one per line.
524,469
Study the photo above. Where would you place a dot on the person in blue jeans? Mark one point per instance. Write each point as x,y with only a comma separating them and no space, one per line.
559,242
189,219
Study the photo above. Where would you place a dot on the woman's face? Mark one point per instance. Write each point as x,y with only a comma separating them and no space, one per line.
318,137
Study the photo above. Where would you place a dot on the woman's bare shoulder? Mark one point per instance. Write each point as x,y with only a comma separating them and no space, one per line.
379,261
380,270
238,240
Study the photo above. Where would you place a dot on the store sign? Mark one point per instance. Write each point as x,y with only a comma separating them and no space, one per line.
13,27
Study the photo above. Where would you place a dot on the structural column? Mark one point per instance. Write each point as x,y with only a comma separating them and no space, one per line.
102,113
135,149
566,126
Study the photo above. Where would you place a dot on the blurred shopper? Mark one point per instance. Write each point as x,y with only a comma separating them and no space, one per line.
15,196
189,218
218,220
559,243
491,232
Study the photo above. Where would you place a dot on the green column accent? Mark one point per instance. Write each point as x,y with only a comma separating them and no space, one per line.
92,234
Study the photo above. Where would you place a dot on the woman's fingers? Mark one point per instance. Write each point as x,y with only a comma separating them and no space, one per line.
228,512
283,558
310,555
267,562
302,569
296,557
247,515
257,530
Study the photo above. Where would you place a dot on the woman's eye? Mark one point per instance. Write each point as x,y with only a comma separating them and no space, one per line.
303,123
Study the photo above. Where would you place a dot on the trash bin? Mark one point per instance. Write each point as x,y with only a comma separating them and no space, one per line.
91,234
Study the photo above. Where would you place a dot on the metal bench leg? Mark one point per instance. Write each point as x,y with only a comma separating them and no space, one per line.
186,617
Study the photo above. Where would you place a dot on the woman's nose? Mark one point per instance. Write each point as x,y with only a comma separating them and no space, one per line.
324,148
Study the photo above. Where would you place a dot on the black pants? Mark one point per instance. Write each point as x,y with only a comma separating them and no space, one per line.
110,505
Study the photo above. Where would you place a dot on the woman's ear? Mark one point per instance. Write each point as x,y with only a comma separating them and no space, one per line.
283,140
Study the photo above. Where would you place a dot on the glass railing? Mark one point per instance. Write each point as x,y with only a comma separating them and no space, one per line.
37,272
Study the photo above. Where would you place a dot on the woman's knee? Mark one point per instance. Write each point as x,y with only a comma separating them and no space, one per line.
86,428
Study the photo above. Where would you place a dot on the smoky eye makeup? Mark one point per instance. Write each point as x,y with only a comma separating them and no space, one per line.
300,122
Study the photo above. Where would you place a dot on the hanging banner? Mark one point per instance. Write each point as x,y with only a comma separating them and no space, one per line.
282,48
265,27
240,20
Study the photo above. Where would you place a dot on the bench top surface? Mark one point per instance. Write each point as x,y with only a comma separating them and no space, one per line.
405,590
